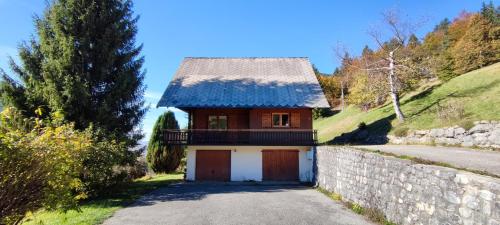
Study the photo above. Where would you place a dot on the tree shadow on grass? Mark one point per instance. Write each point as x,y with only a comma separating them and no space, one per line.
422,94
373,133
430,105
472,92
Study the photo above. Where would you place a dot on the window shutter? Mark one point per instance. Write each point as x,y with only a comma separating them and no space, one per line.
295,120
266,120
232,122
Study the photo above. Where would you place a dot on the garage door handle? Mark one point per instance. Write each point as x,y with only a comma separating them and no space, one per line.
213,171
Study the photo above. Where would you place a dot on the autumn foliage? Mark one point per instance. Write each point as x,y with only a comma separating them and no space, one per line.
468,42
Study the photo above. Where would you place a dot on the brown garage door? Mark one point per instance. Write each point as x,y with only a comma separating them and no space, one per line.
280,165
213,165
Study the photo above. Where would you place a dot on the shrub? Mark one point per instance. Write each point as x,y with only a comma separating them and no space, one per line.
401,131
450,111
336,197
376,215
321,112
466,124
183,164
357,208
52,165
138,170
36,168
101,165
163,158
362,126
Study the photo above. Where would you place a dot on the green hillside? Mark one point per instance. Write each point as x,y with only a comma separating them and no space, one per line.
476,94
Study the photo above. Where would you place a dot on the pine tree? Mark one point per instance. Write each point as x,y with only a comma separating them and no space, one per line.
443,25
413,41
445,66
478,47
489,12
367,51
83,64
163,158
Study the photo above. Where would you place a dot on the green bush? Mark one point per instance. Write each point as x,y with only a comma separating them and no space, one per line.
357,208
39,167
450,111
164,158
321,112
362,126
466,124
401,131
138,170
101,165
52,165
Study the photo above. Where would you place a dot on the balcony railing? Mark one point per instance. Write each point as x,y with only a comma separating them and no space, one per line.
273,137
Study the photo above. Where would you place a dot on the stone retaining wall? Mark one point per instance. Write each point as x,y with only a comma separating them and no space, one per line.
408,193
484,134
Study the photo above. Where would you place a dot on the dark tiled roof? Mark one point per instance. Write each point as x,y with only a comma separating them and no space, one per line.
244,83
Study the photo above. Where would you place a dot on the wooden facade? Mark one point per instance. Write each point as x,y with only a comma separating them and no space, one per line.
246,127
252,118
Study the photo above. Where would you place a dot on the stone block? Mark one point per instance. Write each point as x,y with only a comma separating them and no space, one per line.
472,203
451,141
493,222
494,137
480,139
467,141
440,140
480,128
436,133
450,132
464,212
486,208
408,186
486,195
422,132
459,131
452,197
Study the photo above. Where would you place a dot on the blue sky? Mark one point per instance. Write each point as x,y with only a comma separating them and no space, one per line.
172,30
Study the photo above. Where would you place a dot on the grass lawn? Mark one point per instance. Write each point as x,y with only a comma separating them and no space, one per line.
478,92
96,211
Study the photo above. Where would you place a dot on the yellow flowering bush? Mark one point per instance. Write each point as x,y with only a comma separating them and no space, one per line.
50,166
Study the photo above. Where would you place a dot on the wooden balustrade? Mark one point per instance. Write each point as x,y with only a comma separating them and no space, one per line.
271,137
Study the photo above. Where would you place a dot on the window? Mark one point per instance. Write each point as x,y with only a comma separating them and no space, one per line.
212,122
217,122
281,120
223,122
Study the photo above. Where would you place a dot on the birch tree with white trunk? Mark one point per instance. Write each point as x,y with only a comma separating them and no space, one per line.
396,62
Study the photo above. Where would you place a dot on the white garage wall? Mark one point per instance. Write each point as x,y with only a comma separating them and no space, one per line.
246,161
246,164
305,166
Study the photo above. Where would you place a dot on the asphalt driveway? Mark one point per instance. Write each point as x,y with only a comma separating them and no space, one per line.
460,157
220,204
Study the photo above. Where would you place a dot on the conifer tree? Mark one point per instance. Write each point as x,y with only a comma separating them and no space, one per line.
489,12
478,47
163,158
84,64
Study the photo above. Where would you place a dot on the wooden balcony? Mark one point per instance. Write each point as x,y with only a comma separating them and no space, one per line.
269,137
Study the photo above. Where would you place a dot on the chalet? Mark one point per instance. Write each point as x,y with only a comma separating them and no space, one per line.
248,118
